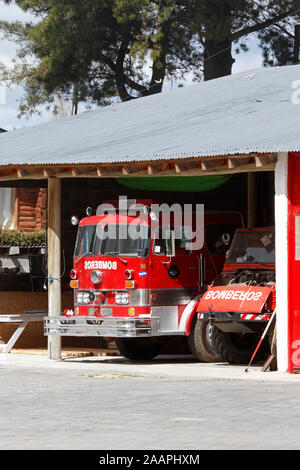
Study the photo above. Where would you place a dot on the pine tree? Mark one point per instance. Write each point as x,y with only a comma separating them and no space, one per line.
94,50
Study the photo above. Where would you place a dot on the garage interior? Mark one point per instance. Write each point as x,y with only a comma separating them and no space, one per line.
250,194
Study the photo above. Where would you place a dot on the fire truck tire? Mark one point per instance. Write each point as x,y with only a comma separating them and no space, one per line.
237,348
139,349
200,342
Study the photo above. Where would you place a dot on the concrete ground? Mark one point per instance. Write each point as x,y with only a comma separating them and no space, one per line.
173,402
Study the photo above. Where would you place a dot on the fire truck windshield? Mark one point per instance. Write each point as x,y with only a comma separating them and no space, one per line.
253,247
126,240
87,242
113,240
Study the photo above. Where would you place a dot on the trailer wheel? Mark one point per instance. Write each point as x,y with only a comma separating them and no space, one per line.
237,348
138,349
200,341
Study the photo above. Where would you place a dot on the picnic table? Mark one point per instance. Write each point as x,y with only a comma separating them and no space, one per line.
22,319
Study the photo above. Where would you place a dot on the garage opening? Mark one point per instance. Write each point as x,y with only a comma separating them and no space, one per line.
249,194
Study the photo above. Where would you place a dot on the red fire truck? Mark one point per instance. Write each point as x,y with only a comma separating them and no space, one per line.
242,298
141,290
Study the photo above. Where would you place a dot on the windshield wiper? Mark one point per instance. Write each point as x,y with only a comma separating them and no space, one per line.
114,254
84,254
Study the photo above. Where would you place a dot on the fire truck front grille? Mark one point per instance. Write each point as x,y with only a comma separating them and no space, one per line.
109,327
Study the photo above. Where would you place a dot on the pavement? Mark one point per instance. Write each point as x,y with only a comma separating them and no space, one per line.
107,404
179,367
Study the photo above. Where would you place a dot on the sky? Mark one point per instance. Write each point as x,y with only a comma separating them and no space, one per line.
9,98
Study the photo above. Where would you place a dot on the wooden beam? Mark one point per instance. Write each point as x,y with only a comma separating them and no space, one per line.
74,172
178,168
112,171
134,170
21,173
9,177
207,165
151,170
233,163
181,167
54,261
79,172
48,172
264,160
222,164
126,171
100,171
31,173
222,170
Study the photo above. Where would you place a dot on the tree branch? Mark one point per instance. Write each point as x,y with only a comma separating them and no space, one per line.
260,26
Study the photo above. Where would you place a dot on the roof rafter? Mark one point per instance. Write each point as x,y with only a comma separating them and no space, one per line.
174,167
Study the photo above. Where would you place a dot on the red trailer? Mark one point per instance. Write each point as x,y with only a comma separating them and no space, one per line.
242,298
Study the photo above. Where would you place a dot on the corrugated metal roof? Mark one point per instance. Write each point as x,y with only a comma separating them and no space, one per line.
240,114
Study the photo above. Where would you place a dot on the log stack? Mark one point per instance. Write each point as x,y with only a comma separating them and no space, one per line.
30,209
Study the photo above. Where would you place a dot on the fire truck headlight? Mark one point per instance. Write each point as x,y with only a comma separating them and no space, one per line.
83,298
86,298
74,220
96,277
122,298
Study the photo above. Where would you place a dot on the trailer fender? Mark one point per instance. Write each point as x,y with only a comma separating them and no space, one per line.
188,314
235,299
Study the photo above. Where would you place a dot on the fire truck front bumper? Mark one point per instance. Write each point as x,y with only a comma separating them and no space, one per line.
110,327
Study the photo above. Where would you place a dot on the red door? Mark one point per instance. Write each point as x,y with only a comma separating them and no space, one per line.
294,261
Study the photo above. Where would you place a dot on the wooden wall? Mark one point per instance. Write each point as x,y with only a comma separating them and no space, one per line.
30,209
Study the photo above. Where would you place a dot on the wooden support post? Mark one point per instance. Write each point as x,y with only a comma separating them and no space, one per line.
54,261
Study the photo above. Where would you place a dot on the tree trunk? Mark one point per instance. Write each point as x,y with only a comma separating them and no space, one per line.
159,65
157,80
217,59
217,44
75,100
121,85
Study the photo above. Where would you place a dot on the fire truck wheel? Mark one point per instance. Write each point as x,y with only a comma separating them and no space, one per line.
138,349
200,341
237,348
